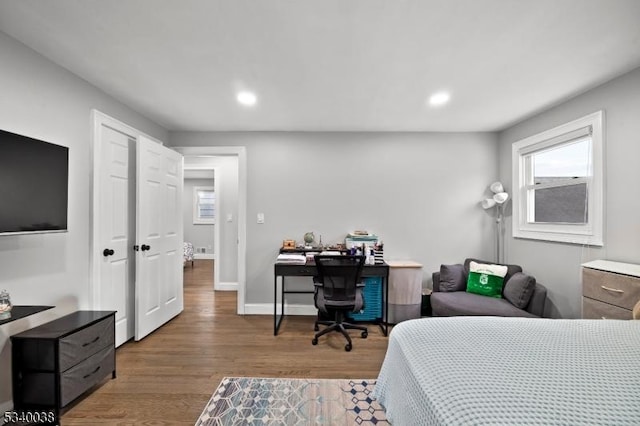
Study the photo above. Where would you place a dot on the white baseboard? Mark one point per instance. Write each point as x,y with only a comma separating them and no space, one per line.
226,286
267,309
210,256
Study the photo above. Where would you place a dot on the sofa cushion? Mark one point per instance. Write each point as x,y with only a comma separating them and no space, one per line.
458,303
486,279
452,278
511,269
519,289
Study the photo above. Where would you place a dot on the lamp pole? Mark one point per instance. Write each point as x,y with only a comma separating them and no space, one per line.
498,232
499,198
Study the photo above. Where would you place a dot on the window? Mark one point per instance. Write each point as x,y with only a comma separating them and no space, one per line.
557,175
204,205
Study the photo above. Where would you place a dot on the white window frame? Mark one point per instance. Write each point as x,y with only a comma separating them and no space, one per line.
197,220
590,233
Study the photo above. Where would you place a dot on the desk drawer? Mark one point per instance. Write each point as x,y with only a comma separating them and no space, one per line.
375,270
295,270
594,309
86,342
616,289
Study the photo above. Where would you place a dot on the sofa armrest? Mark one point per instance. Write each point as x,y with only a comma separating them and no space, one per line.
436,281
538,300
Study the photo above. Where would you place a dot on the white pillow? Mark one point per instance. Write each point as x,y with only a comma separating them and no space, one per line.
499,270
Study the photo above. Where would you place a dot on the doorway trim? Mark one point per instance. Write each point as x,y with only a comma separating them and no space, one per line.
241,153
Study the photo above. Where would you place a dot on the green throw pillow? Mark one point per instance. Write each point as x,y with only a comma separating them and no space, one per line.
486,280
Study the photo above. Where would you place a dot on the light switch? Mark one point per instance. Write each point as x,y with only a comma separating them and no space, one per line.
229,217
260,217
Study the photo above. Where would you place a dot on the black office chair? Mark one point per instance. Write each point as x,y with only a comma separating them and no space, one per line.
338,291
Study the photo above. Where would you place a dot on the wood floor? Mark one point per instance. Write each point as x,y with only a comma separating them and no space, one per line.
168,377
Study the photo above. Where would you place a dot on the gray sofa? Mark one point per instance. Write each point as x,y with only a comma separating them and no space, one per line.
522,295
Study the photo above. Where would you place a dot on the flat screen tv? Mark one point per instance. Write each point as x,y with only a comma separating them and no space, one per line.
34,185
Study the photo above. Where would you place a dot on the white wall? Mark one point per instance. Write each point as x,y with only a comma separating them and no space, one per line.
42,100
556,265
419,191
200,235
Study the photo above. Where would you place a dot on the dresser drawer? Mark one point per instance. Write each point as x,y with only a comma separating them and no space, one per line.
54,363
594,309
86,342
88,373
615,289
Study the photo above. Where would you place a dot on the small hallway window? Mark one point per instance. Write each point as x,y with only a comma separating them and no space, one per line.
558,180
204,205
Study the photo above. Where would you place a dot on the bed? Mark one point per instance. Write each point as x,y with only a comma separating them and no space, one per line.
511,371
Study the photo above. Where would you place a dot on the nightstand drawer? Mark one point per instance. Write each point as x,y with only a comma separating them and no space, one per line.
86,342
594,309
616,289
83,376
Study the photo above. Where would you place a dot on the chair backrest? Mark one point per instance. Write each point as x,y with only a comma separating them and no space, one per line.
339,275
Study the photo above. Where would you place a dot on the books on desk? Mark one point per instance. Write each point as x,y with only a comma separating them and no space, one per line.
358,239
291,259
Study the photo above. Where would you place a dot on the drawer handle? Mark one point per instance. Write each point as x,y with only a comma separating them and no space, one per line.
92,373
91,342
612,289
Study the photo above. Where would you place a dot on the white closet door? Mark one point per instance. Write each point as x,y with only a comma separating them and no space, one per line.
116,233
159,240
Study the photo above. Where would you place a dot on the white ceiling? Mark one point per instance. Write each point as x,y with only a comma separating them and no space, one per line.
334,65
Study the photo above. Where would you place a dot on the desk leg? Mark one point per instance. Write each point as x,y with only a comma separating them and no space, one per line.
275,305
384,326
281,301
277,319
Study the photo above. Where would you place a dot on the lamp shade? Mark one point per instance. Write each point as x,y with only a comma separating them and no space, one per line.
501,197
487,203
496,187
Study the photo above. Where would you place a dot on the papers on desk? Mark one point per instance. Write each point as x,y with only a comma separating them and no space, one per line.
291,259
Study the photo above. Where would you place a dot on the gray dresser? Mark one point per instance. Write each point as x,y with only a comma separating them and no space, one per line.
58,361
610,290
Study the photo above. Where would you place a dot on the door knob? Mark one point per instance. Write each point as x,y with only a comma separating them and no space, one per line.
145,247
107,252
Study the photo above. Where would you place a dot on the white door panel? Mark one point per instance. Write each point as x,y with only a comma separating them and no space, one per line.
159,236
115,230
173,236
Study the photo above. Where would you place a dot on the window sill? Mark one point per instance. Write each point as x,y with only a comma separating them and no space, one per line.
555,237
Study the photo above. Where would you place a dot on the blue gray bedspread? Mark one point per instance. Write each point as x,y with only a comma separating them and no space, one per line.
511,371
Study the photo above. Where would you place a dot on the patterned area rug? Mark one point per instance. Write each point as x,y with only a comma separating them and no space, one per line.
261,401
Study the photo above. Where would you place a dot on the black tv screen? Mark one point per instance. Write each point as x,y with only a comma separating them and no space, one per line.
34,182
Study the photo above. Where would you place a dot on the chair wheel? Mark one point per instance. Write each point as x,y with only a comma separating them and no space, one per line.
364,334
347,347
314,341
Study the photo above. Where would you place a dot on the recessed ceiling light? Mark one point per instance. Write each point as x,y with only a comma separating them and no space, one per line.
439,98
247,98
